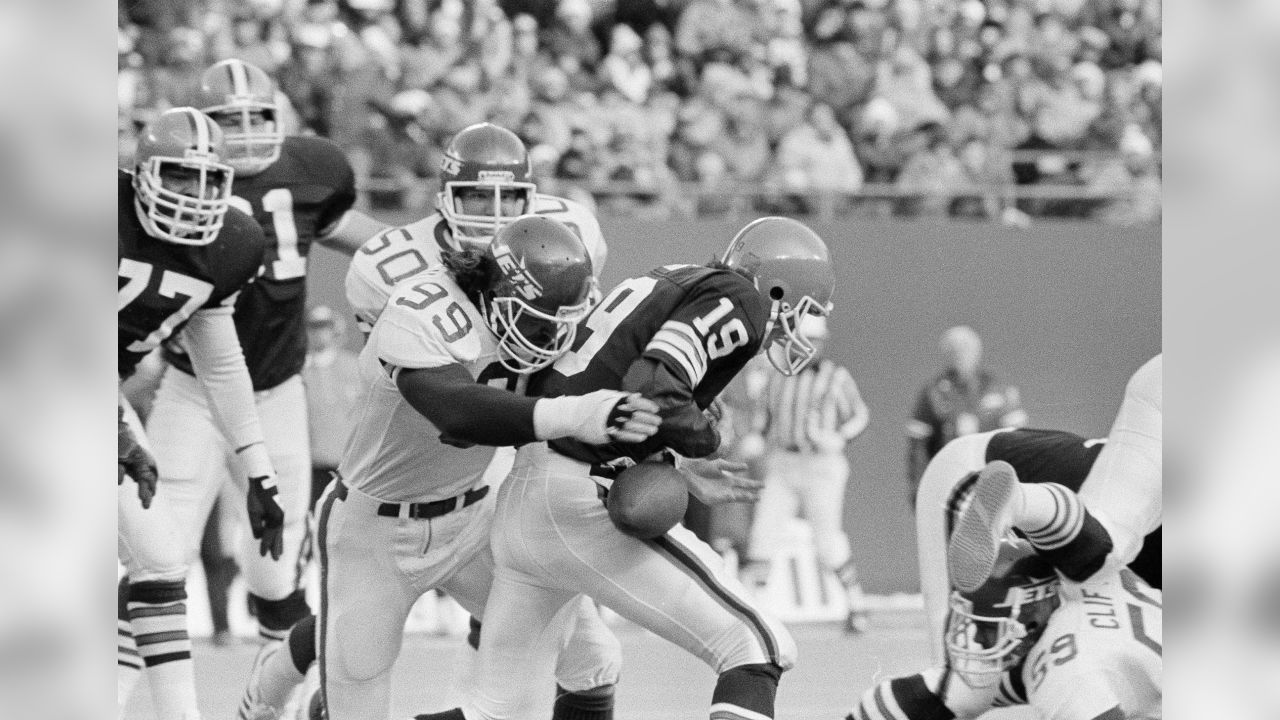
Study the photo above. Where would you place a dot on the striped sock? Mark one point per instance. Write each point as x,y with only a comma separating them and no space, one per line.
158,614
128,661
276,617
1051,515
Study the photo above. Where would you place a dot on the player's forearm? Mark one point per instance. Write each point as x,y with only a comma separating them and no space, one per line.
218,362
467,411
350,232
685,429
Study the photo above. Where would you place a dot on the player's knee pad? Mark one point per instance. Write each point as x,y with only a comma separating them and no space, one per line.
156,564
282,614
473,633
755,641
590,662
302,644
746,687
593,704
354,653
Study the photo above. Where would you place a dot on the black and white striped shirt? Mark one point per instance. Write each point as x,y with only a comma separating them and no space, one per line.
820,403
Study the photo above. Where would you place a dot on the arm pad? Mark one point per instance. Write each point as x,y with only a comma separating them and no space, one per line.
684,428
465,410
218,362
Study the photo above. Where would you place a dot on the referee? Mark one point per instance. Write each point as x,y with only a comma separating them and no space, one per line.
806,421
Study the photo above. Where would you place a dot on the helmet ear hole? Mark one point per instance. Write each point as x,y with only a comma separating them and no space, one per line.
776,293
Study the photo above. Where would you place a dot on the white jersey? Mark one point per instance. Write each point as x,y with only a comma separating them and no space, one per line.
399,253
394,453
1102,649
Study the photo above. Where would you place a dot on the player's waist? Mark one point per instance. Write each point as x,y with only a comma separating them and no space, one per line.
425,510
547,459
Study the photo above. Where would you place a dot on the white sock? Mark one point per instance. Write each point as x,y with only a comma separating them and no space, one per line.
1050,514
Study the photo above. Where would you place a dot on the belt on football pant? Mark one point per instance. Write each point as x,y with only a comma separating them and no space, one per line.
423,510
428,510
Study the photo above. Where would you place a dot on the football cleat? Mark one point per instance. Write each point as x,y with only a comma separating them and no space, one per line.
982,523
251,705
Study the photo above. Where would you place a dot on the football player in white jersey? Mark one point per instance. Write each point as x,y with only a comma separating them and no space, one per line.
1072,651
1100,529
486,185
442,372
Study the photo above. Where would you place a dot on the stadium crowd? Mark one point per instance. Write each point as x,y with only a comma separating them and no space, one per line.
908,107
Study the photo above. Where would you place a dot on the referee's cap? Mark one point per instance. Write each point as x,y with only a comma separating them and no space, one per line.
814,326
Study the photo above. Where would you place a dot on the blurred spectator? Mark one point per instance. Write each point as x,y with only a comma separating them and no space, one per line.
1051,78
932,174
624,67
817,157
710,26
571,37
905,81
964,399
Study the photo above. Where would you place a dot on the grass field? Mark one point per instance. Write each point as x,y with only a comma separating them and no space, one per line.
659,681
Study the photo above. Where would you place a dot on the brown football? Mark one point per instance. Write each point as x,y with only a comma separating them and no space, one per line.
647,500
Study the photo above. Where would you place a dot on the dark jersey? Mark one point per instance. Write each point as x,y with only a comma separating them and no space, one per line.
699,326
1040,456
306,191
160,284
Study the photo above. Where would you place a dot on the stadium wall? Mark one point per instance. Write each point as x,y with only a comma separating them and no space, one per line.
1066,312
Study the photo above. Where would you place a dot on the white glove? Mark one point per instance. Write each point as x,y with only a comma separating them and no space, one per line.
597,418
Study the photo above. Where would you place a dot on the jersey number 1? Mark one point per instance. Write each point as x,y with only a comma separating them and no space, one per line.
289,263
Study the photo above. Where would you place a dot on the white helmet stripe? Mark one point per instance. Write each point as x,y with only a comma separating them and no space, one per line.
202,130
239,79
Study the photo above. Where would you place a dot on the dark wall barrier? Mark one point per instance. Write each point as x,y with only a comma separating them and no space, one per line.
1067,312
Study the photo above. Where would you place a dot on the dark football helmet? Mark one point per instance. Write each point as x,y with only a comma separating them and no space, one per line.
992,628
543,289
491,158
182,189
792,270
241,98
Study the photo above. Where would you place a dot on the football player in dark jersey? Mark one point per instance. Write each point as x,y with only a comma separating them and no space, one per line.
184,254
677,336
301,191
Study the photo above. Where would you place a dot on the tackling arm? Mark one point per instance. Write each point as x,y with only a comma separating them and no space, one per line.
469,412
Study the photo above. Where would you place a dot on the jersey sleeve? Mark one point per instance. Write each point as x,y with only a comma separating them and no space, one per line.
712,326
335,171
241,248
425,326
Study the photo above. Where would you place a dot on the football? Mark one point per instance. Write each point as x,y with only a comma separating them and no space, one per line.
647,500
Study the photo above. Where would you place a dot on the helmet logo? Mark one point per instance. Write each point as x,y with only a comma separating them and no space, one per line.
497,176
450,164
1026,594
517,274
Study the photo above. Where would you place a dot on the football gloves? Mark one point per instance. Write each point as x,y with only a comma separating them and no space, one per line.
266,517
136,462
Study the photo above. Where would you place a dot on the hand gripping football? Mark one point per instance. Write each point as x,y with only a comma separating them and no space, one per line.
647,500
